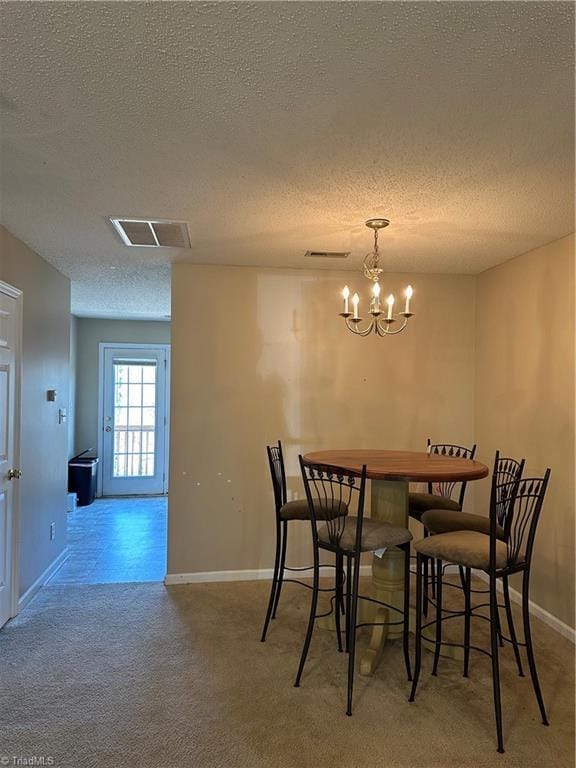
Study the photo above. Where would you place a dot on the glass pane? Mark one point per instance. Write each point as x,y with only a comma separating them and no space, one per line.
120,441
149,394
134,418
120,465
120,373
135,394
148,417
121,394
120,417
149,374
135,372
148,441
134,441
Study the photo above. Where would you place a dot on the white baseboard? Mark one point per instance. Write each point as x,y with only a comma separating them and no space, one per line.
44,577
365,570
535,610
251,575
194,578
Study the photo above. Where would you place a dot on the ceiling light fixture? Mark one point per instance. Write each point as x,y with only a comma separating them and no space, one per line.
381,326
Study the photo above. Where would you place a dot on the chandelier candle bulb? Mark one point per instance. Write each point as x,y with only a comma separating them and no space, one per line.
408,293
345,294
390,302
376,294
355,302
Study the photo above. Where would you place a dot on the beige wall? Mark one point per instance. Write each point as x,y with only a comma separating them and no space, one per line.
525,397
44,442
262,354
89,333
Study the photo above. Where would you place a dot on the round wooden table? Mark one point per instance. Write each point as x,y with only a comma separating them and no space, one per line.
390,473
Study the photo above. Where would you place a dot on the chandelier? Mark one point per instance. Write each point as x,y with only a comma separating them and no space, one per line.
381,322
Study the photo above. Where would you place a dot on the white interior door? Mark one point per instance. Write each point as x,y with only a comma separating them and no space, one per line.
135,421
8,474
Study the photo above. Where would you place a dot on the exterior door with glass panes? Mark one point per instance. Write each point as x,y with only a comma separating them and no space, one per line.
135,421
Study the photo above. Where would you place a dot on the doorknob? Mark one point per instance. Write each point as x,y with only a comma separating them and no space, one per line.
14,474
108,429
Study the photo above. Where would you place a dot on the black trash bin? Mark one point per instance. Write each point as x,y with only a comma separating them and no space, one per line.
83,477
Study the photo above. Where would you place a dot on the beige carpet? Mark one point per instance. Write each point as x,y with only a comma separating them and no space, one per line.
144,676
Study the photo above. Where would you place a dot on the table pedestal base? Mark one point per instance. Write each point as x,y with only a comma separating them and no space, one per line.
389,503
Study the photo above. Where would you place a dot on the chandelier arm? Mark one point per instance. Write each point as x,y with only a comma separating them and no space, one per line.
359,331
379,330
384,328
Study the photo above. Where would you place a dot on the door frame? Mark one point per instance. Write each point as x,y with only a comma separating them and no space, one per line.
103,345
16,293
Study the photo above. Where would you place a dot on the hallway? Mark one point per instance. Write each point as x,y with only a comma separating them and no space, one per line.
116,540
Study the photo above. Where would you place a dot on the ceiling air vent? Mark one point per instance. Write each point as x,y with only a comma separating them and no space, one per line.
328,254
153,233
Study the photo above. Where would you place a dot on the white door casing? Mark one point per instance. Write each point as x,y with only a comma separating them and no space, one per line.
134,419
10,331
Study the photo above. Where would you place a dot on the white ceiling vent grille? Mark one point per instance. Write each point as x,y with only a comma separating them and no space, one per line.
152,233
328,254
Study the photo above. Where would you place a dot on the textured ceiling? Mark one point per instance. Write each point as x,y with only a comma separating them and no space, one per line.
277,127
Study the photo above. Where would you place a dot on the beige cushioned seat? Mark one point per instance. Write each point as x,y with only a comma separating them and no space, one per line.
375,535
298,510
418,503
449,520
468,548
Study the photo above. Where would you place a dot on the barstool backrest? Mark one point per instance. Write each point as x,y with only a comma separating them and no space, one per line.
278,474
450,489
518,503
332,494
506,470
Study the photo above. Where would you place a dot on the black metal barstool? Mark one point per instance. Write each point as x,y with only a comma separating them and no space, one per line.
437,521
347,537
285,512
447,496
517,504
